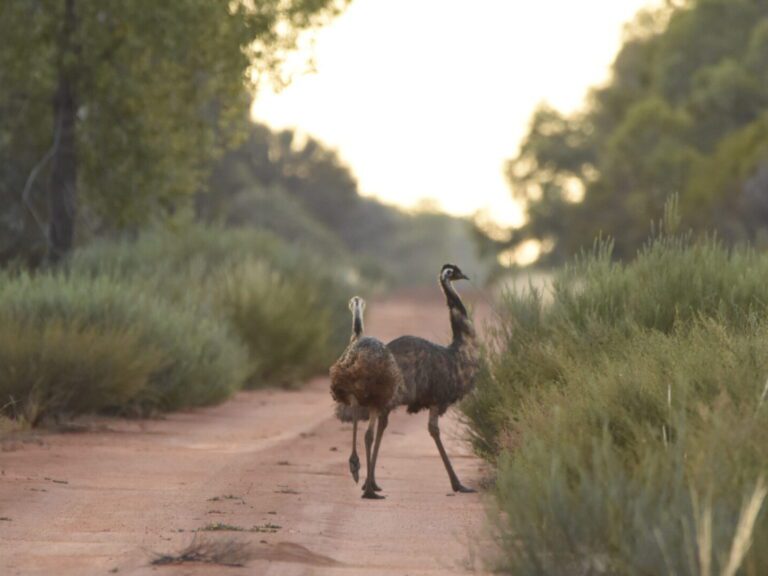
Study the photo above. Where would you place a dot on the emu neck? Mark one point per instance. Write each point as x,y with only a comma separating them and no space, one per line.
357,324
461,326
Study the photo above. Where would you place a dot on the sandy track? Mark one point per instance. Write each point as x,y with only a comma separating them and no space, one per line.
103,501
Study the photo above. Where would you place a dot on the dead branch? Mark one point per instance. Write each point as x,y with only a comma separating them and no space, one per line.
26,193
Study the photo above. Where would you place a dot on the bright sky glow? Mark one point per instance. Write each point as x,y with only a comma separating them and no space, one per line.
426,99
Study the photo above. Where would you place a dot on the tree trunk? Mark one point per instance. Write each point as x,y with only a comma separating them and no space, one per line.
63,187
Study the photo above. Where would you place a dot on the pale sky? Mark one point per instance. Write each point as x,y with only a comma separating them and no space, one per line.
426,99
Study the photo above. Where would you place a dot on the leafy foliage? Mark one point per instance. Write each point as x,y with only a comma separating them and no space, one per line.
683,113
282,302
160,90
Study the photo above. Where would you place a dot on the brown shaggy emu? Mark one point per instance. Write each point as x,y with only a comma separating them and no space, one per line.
366,376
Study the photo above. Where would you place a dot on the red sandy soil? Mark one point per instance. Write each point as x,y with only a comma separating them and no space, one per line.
109,499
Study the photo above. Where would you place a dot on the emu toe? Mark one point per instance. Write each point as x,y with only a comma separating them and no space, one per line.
375,487
371,495
463,489
354,467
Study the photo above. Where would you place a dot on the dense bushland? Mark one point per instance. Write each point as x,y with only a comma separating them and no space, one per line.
626,415
73,344
285,304
163,322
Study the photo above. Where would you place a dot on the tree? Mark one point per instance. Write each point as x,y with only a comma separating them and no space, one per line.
122,105
682,114
303,168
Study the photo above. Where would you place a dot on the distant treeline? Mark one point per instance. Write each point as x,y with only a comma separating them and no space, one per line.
302,191
684,113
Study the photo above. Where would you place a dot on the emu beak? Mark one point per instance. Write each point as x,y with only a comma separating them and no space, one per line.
463,276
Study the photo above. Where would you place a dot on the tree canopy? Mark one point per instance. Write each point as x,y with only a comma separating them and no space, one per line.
119,107
683,113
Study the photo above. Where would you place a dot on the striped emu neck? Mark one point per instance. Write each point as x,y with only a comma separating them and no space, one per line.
357,322
461,326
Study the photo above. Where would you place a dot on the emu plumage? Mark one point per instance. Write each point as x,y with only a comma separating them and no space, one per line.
365,377
434,376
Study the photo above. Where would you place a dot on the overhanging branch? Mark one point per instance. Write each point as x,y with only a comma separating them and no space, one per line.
26,194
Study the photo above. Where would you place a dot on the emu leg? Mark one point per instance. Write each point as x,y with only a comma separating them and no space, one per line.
434,431
354,461
368,491
383,421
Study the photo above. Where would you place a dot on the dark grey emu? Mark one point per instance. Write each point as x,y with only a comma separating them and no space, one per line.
434,376
365,377
437,376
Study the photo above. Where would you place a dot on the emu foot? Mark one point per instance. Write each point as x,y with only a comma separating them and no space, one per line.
371,495
463,489
354,467
375,487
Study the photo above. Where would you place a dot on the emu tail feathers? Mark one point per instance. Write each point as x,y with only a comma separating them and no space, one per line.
345,413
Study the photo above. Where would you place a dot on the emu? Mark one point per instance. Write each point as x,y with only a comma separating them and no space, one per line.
434,376
366,376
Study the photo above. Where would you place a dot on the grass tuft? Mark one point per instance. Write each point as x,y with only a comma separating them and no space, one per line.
201,550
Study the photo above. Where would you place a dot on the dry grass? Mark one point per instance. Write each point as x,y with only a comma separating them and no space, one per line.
268,528
207,551
742,540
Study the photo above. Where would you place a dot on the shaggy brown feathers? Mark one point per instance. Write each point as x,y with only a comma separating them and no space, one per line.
367,373
365,377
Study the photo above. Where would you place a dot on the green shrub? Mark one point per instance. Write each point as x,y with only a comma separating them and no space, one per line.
180,264
71,344
280,321
286,305
58,369
672,279
166,321
624,415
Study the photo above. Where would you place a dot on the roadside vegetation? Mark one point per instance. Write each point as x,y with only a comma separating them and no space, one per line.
116,295
166,321
158,248
627,415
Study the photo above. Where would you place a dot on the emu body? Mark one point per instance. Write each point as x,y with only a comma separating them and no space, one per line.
435,376
365,377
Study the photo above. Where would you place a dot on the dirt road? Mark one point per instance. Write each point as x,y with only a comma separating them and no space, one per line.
269,465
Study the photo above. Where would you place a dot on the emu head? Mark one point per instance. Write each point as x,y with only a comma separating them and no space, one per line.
356,303
451,272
